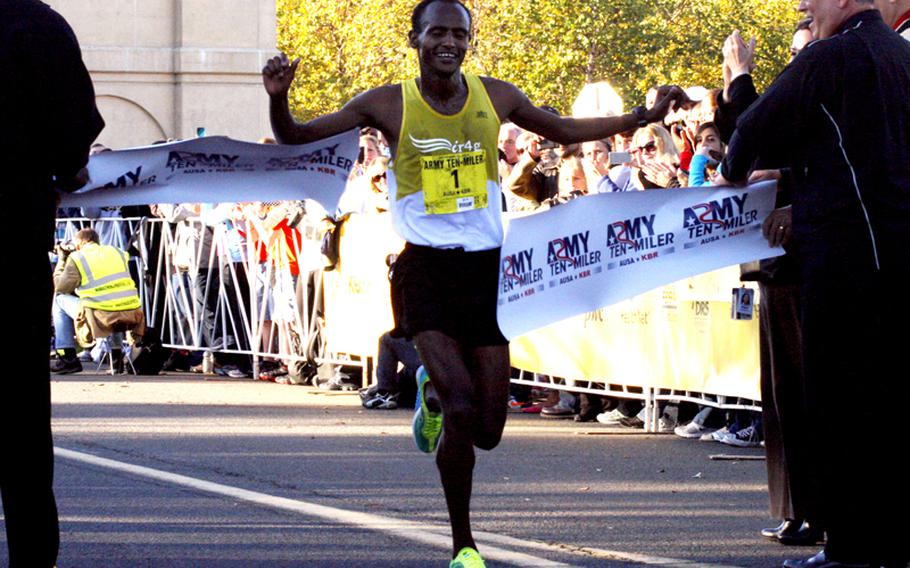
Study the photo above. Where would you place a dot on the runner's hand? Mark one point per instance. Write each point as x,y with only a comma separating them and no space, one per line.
278,74
667,97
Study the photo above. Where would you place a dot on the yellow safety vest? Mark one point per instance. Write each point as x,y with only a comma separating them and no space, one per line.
106,283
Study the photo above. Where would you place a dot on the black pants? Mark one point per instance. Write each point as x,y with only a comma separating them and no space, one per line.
854,354
27,460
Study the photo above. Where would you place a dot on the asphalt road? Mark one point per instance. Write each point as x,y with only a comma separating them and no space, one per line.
181,471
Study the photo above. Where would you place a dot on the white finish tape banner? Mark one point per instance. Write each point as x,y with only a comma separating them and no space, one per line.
218,169
605,248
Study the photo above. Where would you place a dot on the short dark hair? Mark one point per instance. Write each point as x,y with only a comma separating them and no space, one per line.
706,126
420,8
803,24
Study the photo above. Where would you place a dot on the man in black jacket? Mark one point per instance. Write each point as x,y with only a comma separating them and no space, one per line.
782,384
839,118
48,120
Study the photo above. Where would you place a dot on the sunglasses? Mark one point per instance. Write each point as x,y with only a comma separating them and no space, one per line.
649,147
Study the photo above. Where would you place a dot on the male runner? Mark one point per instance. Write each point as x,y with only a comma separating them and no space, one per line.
445,201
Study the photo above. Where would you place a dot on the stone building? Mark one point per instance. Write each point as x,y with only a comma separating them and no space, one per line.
163,68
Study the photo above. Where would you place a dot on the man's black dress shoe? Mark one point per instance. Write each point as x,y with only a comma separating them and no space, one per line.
805,535
788,526
821,561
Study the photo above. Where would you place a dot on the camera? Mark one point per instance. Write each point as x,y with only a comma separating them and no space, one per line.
619,158
545,144
65,248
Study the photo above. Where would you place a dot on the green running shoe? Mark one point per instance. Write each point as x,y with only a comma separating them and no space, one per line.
467,558
427,425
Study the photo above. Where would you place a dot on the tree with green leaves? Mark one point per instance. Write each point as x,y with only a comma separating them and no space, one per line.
548,48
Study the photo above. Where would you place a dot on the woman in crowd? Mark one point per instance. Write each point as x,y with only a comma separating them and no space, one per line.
655,158
709,151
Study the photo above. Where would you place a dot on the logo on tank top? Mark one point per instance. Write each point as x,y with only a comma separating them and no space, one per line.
436,144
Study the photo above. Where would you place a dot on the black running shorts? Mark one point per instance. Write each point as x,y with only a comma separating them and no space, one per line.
447,290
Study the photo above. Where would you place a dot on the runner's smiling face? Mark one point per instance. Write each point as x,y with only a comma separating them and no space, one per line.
443,38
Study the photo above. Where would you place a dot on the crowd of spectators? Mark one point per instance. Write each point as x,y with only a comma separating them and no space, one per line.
214,257
210,248
536,174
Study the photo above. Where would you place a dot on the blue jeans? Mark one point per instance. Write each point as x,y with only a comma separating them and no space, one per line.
393,350
65,309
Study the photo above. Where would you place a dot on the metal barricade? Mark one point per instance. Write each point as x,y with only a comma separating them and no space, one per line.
651,397
217,298
223,297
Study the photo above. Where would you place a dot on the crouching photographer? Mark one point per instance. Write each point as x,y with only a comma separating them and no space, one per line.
96,298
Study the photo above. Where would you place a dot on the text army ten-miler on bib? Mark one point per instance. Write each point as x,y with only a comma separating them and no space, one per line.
453,183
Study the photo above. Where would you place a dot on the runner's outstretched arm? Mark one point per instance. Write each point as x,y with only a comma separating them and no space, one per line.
513,104
277,76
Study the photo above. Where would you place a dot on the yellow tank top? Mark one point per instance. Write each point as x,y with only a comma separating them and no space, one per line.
446,173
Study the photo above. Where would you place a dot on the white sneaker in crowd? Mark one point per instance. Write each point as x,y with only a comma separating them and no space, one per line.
693,430
716,436
559,410
236,373
611,417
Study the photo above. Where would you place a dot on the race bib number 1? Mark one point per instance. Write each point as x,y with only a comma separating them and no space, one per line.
453,183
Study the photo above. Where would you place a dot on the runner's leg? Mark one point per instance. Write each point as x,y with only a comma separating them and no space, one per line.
453,388
489,369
